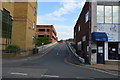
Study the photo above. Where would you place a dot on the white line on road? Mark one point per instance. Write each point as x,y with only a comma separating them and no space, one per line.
25,59
50,76
23,74
29,57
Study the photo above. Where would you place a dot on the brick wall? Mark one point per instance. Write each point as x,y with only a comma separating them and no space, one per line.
50,33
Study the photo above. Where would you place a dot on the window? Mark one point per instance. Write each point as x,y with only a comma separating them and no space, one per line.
84,38
79,45
113,53
6,24
108,14
33,26
35,11
116,17
78,28
33,39
48,30
48,36
87,16
54,33
75,33
42,30
100,14
40,35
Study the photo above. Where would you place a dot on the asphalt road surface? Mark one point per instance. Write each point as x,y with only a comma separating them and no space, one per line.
51,65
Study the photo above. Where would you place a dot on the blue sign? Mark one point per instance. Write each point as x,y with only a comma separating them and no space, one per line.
99,36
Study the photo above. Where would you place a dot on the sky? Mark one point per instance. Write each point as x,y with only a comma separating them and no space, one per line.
63,15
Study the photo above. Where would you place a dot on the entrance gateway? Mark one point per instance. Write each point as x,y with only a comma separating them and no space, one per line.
100,53
100,38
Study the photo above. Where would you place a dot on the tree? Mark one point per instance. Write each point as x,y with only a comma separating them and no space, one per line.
38,41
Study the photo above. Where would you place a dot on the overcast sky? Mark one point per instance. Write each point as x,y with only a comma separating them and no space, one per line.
62,15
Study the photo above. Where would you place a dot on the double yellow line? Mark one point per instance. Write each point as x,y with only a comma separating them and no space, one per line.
65,60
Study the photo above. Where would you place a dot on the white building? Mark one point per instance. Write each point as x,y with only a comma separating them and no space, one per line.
108,22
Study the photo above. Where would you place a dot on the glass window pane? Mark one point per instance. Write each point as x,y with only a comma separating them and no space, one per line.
115,11
108,19
108,11
100,19
87,16
116,19
100,10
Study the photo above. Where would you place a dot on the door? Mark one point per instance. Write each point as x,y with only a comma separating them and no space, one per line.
100,53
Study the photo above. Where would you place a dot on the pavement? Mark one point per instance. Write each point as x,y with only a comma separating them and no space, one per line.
109,68
76,61
54,64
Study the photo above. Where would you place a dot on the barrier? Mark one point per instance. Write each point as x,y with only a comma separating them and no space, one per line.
74,52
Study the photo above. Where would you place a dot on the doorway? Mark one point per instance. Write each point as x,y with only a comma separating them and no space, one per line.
100,53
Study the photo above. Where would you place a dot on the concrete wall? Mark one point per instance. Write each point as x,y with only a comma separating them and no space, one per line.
93,59
93,17
93,56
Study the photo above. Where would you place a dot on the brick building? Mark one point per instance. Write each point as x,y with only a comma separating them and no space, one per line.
96,32
19,28
48,30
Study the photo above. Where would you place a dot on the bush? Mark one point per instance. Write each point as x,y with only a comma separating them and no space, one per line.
13,48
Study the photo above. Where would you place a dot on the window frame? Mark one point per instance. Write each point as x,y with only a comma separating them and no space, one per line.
79,28
112,15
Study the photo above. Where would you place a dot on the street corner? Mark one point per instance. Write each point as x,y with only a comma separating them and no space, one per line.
108,69
71,59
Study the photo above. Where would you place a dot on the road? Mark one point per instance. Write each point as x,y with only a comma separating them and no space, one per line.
51,65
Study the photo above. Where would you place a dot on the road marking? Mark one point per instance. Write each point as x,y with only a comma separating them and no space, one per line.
58,50
29,57
80,77
25,59
50,76
65,60
23,74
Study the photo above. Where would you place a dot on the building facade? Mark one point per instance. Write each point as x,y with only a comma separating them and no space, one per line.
7,13
97,32
25,15
48,30
18,24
